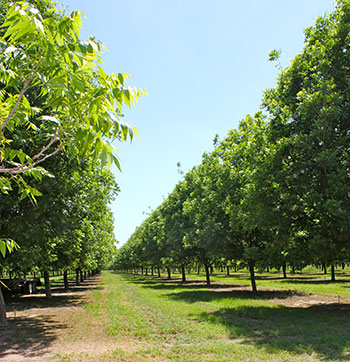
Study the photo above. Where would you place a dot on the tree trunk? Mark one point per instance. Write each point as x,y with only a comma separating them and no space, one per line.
324,268
76,276
252,275
81,275
228,271
183,273
158,273
267,269
3,320
169,273
47,284
65,280
198,269
284,269
332,273
152,271
207,274
211,270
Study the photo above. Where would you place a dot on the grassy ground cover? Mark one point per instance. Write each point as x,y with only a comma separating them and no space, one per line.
137,318
153,319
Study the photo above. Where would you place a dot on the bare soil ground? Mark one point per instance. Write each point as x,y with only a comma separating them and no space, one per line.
43,329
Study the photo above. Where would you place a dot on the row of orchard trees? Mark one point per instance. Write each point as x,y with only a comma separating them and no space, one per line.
60,113
276,191
70,227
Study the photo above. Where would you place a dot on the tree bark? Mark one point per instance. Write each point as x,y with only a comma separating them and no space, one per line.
324,268
284,269
65,280
158,273
47,284
207,274
169,273
228,271
81,275
76,276
183,273
3,320
332,273
251,264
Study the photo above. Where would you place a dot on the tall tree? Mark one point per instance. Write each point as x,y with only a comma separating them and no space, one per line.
309,110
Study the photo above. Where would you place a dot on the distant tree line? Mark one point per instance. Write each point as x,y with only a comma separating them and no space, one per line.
276,191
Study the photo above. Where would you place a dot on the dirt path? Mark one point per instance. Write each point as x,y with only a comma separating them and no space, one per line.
44,330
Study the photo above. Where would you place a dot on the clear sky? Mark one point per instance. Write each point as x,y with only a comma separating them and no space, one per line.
204,65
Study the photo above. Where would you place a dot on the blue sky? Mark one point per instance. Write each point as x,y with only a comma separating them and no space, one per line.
204,65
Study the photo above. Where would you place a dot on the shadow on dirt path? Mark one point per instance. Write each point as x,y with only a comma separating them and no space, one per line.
35,322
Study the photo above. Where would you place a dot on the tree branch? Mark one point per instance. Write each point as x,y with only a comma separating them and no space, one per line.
13,110
40,157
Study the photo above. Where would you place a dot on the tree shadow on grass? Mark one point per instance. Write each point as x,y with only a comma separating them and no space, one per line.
27,337
198,290
60,297
194,296
318,329
22,303
316,281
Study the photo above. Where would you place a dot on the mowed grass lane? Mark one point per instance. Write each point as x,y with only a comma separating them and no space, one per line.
160,320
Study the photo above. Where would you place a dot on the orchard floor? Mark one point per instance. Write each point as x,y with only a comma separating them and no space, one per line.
76,325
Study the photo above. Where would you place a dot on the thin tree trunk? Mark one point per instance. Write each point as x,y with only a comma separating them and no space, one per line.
332,273
76,276
158,273
3,320
81,275
284,269
267,269
228,271
152,271
65,280
169,273
183,273
252,275
207,274
324,268
47,284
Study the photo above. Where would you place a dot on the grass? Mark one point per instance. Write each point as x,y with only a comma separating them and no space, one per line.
138,318
153,319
